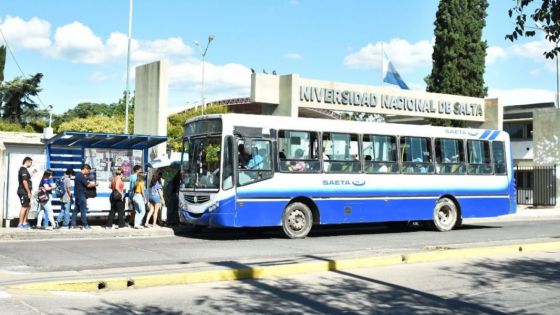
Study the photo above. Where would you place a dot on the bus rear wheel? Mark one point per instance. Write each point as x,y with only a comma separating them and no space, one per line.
297,220
445,215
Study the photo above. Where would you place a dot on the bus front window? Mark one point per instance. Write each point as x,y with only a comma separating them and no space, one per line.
201,163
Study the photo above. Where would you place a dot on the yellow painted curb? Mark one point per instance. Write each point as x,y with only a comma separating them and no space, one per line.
283,270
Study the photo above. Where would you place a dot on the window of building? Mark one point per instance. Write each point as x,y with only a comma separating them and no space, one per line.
380,154
449,156
298,151
340,153
515,131
478,157
416,155
498,153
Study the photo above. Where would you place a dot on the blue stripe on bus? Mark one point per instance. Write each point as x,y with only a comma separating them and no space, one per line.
485,134
494,135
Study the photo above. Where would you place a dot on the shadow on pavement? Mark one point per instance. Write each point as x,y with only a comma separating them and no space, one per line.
228,234
128,308
355,295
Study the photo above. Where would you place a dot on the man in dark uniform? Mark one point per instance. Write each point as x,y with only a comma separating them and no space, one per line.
81,183
24,192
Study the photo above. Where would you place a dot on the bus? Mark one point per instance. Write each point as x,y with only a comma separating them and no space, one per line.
240,170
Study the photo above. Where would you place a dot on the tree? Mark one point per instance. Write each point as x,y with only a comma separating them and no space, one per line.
458,60
97,123
545,16
2,62
16,97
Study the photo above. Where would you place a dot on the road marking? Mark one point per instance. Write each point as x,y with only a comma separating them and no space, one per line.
72,294
258,272
4,295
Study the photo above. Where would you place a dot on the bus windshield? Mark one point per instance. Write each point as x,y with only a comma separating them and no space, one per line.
201,163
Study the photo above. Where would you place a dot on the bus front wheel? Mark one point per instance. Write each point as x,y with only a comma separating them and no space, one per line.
297,220
445,215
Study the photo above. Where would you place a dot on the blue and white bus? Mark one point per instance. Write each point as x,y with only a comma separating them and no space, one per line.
254,171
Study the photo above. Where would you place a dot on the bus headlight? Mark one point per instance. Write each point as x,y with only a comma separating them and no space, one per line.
214,206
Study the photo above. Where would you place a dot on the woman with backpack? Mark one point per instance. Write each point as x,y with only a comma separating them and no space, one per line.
44,198
116,199
63,190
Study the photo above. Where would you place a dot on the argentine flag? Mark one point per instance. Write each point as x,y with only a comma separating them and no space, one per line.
390,74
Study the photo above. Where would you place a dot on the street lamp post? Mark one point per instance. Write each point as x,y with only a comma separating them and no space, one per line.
203,53
557,105
127,93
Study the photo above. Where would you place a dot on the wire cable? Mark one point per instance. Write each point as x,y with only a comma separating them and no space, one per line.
19,67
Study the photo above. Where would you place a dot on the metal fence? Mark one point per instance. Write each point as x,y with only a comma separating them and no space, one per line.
536,185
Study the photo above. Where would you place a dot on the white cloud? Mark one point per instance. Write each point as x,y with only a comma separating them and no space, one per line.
292,56
98,76
220,81
521,96
494,53
77,43
32,34
404,55
532,50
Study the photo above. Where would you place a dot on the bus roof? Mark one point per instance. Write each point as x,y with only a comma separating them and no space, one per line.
350,126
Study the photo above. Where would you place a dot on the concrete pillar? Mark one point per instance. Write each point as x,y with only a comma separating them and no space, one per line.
546,141
150,108
493,115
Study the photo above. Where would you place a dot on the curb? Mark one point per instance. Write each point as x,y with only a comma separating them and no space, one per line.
437,254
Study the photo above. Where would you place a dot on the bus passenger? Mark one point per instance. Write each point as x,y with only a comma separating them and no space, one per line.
256,162
297,166
242,155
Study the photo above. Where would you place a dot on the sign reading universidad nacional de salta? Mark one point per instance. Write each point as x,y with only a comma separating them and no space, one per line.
393,102
300,92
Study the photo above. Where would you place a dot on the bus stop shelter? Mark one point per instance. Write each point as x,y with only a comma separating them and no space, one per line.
104,152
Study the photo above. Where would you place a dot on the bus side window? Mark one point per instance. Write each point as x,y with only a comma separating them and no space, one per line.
449,156
298,151
416,155
498,153
341,153
380,154
478,153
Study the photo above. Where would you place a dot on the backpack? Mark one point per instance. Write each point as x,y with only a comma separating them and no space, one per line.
60,190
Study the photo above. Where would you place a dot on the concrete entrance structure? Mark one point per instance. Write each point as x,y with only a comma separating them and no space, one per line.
546,140
150,98
291,95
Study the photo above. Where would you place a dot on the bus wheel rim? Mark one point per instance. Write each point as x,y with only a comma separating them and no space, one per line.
445,215
296,220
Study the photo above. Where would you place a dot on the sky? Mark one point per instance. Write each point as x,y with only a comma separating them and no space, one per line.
81,46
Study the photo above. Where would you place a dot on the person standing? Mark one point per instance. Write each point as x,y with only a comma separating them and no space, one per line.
45,189
80,185
117,201
154,200
139,200
64,216
136,170
24,192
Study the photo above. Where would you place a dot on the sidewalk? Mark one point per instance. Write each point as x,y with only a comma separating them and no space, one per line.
96,232
99,232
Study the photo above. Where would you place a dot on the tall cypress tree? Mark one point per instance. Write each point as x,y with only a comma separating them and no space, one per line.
2,62
459,51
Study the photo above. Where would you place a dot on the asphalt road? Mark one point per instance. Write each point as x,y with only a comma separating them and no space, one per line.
520,284
223,247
